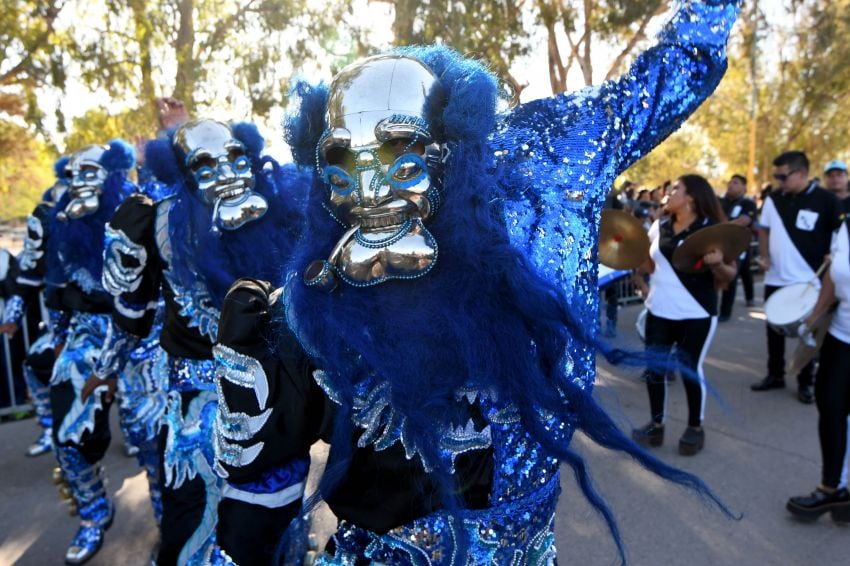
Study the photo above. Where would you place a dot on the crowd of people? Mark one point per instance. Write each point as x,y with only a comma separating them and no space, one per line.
800,240
383,293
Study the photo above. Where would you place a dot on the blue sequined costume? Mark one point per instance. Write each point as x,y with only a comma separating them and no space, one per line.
74,265
485,360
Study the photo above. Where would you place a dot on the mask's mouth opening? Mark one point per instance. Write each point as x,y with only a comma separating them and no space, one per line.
387,215
231,191
236,206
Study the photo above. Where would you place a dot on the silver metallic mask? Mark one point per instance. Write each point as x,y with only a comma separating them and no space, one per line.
87,176
383,172
222,171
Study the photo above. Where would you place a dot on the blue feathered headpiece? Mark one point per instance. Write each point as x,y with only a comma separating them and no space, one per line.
119,157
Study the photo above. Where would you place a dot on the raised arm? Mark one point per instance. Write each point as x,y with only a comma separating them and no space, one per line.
605,129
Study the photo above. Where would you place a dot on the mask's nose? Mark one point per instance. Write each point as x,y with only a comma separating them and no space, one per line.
226,172
374,189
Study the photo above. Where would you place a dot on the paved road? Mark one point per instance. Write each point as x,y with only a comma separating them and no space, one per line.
760,449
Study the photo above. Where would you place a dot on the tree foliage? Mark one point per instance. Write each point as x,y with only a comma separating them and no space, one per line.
789,75
26,170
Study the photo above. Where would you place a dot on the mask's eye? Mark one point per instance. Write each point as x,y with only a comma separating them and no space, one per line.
88,174
205,174
242,164
406,171
339,181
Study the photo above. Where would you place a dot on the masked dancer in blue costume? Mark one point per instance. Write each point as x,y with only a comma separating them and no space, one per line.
449,319
220,211
28,286
98,183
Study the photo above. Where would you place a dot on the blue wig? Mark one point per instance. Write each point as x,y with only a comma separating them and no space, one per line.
258,248
59,167
484,317
75,246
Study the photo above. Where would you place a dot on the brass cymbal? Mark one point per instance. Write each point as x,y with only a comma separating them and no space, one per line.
805,350
623,243
728,238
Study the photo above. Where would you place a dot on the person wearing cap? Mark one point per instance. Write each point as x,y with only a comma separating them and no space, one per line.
795,233
835,178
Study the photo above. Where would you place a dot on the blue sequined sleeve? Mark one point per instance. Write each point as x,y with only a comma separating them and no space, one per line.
597,133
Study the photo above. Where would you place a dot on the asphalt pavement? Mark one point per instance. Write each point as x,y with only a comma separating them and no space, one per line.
760,449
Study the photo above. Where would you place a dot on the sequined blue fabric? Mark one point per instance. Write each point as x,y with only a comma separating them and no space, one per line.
188,454
13,309
75,364
184,374
516,532
142,403
572,147
39,392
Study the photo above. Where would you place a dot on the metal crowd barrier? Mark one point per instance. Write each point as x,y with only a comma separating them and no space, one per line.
15,389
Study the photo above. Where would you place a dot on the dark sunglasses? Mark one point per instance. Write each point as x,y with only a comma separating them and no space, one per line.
782,177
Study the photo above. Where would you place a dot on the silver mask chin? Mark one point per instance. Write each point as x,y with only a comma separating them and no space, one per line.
222,171
87,177
383,173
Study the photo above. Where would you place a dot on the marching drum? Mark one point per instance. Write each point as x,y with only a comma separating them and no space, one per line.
790,306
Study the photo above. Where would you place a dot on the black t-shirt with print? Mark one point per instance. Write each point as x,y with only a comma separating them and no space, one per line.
810,218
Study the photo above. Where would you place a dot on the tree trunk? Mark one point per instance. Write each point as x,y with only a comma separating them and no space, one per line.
184,47
405,14
144,32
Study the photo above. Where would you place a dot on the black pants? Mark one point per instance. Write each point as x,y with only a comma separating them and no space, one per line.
182,508
250,534
727,300
832,390
93,444
776,352
692,338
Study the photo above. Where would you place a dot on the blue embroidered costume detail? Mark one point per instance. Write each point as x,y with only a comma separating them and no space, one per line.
195,301
13,309
143,400
188,454
89,492
75,364
233,427
117,277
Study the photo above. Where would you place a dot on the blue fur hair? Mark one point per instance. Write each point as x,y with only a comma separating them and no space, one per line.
257,249
79,242
59,167
483,317
120,156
